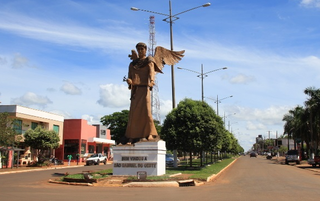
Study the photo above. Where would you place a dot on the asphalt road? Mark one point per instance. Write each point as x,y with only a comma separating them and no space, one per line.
247,179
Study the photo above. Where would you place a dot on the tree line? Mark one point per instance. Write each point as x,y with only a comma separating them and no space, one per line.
302,123
191,127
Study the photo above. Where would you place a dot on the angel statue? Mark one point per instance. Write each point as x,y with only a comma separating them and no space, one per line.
140,79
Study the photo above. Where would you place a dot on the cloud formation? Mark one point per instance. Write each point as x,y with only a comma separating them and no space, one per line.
112,95
30,99
310,3
70,89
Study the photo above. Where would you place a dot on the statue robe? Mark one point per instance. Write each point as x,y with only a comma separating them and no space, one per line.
140,124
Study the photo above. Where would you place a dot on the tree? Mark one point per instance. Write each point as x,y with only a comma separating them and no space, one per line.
42,140
192,127
313,107
304,122
296,123
117,123
8,136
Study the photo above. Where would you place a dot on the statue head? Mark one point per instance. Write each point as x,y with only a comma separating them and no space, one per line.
141,44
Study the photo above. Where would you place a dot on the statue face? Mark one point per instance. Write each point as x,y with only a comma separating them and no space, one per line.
141,51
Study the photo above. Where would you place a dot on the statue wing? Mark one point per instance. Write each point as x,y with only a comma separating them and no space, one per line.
164,56
133,55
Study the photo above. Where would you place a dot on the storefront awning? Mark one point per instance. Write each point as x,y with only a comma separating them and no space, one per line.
101,140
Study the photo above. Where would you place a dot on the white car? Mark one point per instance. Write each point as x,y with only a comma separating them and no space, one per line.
96,159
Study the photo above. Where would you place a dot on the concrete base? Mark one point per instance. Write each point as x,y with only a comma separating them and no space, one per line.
140,158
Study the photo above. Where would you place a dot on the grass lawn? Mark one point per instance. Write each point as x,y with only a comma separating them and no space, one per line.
201,173
192,173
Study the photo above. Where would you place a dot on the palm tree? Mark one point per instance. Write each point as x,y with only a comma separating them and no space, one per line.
295,126
313,107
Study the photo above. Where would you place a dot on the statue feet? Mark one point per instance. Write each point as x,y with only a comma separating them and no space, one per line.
143,139
153,138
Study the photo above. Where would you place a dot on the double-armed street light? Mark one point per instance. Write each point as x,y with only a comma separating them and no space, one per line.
202,76
219,101
229,126
224,118
171,18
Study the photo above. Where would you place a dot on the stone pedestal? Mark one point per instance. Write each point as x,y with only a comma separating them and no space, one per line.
149,157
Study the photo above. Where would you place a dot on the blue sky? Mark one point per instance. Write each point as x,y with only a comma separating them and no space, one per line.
69,57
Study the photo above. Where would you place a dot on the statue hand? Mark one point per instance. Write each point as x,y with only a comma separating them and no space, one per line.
151,84
129,81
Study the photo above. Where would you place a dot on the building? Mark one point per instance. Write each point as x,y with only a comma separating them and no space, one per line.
28,118
76,136
81,138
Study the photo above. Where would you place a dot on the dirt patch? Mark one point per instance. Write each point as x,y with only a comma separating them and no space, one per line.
119,181
182,176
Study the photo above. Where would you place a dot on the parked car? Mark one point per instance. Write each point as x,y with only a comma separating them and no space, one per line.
314,162
253,154
292,156
170,160
96,159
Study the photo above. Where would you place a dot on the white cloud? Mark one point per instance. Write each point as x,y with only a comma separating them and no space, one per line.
255,126
311,61
3,61
68,33
19,61
242,79
268,116
70,89
165,108
91,119
310,3
112,95
30,98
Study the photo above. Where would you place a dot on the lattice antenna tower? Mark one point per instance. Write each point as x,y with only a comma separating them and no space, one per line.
155,103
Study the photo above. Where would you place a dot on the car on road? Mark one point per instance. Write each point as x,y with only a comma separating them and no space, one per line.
170,160
96,159
253,154
292,156
315,161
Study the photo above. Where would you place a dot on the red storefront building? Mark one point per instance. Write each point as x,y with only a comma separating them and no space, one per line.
81,138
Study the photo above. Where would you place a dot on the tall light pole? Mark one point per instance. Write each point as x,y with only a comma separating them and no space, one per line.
171,18
224,118
202,76
217,101
230,125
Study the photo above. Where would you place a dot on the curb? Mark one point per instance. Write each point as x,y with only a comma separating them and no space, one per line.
11,171
39,169
70,183
153,184
215,176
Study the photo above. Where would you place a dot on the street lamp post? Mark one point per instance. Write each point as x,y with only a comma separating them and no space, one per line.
170,18
219,101
229,124
202,76
224,118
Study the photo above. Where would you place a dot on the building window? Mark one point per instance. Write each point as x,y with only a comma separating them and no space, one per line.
17,126
103,132
56,128
71,147
34,125
91,149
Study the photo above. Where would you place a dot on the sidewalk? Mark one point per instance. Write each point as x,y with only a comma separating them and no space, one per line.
303,164
28,169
